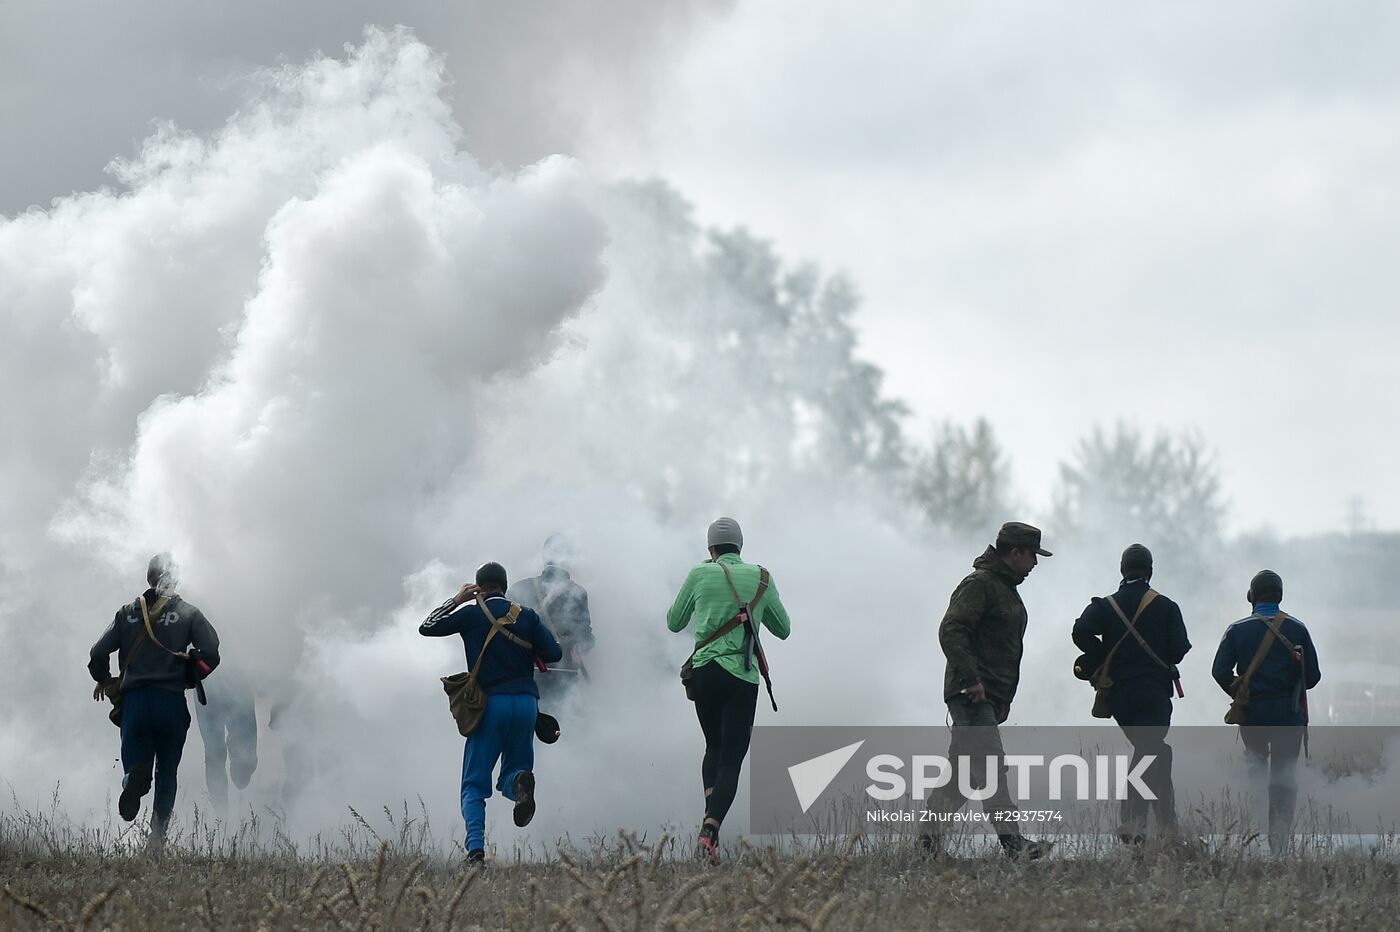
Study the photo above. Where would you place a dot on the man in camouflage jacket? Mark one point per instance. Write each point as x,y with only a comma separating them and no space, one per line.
982,637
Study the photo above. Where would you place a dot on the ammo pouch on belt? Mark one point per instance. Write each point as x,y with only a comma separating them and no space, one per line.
465,697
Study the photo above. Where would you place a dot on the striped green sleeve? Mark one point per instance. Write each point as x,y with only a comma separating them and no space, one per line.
684,606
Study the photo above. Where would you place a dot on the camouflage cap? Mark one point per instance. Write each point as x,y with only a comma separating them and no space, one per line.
1016,534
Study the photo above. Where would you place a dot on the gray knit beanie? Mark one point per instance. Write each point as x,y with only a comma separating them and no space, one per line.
724,531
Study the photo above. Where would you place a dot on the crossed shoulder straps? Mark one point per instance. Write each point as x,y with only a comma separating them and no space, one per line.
763,581
497,627
1275,631
1131,625
738,617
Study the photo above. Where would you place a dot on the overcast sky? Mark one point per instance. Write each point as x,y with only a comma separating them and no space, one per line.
1060,215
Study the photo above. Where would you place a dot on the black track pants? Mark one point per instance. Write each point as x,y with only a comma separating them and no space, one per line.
725,706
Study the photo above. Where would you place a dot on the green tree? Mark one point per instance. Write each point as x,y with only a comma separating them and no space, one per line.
960,482
729,363
1164,492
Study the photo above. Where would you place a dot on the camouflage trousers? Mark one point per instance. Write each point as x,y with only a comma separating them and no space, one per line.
976,738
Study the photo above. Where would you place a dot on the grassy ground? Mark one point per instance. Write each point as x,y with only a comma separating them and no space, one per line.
73,878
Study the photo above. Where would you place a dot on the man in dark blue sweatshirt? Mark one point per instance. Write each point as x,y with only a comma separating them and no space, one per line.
1270,655
153,637
506,672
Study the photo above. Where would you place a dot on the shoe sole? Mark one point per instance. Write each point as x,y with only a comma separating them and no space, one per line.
524,799
138,784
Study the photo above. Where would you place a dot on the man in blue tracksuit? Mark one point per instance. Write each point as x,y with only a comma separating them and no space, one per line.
1276,715
162,643
507,675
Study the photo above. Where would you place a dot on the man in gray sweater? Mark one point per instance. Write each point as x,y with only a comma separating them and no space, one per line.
164,645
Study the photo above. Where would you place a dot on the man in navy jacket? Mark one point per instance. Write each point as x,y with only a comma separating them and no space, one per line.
507,675
1140,698
1277,714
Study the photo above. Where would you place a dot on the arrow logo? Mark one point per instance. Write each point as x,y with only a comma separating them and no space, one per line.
811,777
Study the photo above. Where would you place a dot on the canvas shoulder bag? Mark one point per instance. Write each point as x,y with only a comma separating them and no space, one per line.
465,697
1239,689
1101,680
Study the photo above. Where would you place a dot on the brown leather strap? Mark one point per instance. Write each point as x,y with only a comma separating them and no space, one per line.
738,618
476,667
1147,598
1132,628
718,633
1273,626
131,651
763,579
146,617
496,628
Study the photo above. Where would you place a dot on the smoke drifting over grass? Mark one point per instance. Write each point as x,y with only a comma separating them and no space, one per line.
333,364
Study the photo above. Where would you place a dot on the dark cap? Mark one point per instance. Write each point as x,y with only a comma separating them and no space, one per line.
492,575
1016,534
1136,557
1266,583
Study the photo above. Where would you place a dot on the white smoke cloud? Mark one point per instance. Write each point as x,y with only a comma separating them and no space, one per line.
333,364
266,356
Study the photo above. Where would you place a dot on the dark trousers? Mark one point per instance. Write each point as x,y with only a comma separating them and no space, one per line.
229,727
154,724
1143,709
725,706
1272,752
977,739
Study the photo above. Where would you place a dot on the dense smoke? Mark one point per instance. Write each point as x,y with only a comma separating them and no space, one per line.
333,363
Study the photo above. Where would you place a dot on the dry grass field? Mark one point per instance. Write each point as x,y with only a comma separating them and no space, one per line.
57,877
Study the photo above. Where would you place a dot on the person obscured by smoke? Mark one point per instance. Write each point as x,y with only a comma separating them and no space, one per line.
562,605
228,725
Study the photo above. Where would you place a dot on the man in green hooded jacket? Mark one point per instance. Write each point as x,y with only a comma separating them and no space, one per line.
982,636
